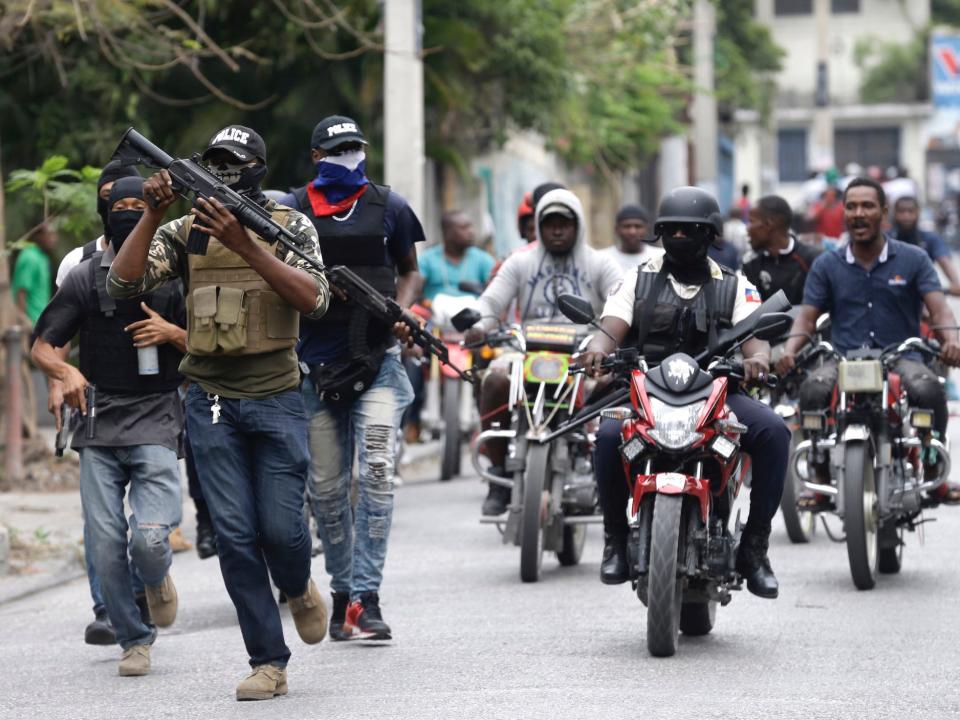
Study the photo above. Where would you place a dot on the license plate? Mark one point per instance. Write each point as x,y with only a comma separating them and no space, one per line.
860,376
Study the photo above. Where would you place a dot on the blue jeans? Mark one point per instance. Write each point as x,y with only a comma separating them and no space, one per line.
96,594
253,471
154,479
355,541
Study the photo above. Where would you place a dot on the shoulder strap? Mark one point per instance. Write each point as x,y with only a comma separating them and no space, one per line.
649,303
98,276
728,295
89,249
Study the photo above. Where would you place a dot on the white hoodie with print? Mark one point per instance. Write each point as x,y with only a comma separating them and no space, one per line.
533,278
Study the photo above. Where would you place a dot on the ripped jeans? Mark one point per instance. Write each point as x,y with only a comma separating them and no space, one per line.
355,539
153,475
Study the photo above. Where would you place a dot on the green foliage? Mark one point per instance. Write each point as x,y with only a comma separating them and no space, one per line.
894,72
945,12
746,56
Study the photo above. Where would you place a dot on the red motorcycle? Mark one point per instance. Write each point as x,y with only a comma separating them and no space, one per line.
681,452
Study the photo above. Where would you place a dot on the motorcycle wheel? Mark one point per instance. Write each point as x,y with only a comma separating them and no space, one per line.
531,525
574,537
663,585
860,520
450,462
697,618
890,559
800,524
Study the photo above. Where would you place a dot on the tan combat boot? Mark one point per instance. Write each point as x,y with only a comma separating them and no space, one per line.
135,661
162,601
178,543
309,614
264,683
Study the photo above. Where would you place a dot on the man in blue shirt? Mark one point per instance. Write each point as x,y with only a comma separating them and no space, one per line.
906,215
356,388
874,289
456,260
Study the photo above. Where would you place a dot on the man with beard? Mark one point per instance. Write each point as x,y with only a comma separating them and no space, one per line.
534,277
132,437
679,303
245,415
874,288
906,214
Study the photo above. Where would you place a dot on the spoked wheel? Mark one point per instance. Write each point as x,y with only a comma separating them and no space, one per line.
663,589
800,524
860,520
890,556
531,519
697,618
450,462
574,537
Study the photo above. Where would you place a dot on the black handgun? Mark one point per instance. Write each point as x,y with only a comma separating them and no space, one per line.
63,435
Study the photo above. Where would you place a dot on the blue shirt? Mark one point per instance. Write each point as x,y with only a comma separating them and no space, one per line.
876,307
934,245
320,343
441,275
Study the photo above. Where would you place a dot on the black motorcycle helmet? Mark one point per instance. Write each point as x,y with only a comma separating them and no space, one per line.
688,205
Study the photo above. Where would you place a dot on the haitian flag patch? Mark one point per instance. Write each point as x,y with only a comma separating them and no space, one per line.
752,295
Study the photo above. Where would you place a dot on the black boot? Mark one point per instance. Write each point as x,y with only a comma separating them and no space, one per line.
614,569
498,497
338,616
753,564
206,539
100,631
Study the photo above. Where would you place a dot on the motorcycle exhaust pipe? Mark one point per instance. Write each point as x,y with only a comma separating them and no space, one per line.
478,443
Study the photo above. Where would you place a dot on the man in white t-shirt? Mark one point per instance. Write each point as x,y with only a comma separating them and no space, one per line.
632,248
679,303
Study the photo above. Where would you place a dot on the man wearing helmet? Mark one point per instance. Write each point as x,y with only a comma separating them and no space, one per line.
679,303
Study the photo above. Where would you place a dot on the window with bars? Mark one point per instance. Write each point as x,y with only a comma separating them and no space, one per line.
793,7
845,6
792,154
867,146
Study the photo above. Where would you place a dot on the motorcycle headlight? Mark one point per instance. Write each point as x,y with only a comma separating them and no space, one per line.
675,427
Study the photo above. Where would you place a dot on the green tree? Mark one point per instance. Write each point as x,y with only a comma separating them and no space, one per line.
746,57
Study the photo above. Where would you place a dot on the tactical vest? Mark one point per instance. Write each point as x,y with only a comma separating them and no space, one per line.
231,310
89,249
361,246
108,358
665,323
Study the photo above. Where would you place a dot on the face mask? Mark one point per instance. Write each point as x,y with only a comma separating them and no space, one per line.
102,210
686,259
120,224
237,176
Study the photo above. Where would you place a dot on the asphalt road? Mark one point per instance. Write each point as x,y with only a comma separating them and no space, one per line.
472,641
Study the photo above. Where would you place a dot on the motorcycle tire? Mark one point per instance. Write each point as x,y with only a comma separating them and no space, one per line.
860,521
531,522
800,524
698,618
450,460
664,592
574,537
890,558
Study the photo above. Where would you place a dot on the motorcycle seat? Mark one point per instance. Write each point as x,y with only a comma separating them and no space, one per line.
864,354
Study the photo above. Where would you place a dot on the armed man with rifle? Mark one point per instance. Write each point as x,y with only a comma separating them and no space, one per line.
356,388
679,303
245,414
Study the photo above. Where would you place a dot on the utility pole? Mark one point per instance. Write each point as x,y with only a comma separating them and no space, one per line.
822,146
403,101
703,108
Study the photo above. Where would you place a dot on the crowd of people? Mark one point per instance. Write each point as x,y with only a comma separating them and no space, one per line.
276,388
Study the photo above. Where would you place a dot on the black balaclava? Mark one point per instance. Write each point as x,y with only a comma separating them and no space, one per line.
122,222
686,259
111,172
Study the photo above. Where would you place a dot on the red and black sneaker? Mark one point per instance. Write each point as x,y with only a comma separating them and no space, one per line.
338,617
364,621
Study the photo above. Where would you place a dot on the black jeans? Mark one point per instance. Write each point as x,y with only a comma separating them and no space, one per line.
767,440
923,387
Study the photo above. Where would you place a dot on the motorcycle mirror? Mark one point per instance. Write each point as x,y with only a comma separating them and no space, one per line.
471,287
575,309
465,319
735,336
771,326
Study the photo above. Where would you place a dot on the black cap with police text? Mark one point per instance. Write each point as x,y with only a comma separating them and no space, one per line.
242,142
336,130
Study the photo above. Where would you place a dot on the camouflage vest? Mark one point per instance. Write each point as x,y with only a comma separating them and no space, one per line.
231,310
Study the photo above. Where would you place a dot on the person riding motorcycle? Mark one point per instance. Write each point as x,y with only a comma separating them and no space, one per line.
679,303
874,288
534,277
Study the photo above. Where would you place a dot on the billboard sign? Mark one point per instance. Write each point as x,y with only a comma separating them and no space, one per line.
945,70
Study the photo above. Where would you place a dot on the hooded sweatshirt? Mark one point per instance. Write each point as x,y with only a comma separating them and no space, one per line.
533,278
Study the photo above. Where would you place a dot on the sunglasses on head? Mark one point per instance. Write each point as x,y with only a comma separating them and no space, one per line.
695,231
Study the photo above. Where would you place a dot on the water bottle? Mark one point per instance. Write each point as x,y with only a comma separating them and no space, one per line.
148,363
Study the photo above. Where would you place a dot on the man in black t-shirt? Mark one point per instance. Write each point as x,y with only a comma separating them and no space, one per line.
780,261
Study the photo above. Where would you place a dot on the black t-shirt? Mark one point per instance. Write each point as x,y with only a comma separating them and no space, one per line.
122,420
787,272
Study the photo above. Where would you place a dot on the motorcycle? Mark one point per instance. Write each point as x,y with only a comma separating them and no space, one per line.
882,455
681,453
554,495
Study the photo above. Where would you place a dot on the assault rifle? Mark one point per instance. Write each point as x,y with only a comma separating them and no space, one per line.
190,177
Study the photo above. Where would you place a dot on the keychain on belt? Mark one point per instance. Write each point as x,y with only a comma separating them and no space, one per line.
214,408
